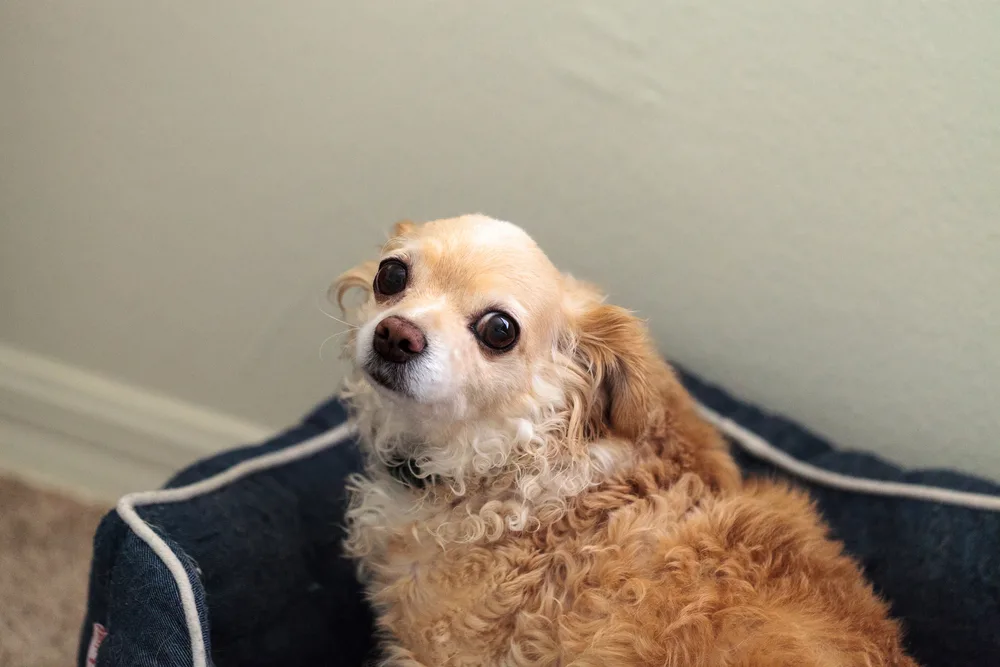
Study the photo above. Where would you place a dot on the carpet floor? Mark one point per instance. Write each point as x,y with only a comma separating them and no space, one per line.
45,547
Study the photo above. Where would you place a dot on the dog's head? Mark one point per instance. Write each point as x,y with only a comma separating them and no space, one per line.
476,353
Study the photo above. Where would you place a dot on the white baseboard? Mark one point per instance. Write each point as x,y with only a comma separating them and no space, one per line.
74,429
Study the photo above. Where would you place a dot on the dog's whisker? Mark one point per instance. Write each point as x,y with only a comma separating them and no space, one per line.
329,338
336,319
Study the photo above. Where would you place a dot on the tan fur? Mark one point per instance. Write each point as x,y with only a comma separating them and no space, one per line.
580,512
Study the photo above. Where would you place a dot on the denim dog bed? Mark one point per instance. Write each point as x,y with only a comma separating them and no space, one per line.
237,562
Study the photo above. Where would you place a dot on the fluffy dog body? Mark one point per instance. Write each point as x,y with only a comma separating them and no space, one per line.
563,503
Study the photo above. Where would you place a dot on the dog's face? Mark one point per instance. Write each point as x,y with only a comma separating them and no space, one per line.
460,312
467,324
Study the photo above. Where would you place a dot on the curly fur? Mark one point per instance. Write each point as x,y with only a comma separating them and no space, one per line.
590,518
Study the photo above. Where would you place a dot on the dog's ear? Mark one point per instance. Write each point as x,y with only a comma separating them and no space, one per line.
618,361
359,278
404,228
621,387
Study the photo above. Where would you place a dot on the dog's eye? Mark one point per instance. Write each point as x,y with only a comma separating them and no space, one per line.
497,331
391,278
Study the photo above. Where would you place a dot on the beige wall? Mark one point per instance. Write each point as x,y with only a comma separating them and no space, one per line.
804,198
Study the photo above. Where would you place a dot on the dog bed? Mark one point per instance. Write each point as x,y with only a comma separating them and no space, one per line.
236,563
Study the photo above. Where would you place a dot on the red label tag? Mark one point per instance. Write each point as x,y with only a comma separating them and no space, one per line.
96,637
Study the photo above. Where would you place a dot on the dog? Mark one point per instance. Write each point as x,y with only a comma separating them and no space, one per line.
539,488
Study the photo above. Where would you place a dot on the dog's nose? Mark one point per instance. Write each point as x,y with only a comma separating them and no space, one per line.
397,340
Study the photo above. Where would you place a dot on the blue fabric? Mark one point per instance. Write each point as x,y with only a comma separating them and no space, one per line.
273,589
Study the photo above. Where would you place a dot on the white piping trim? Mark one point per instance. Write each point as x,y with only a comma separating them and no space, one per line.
762,449
126,510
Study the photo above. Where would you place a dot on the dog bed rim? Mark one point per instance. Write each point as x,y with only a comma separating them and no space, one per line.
745,438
